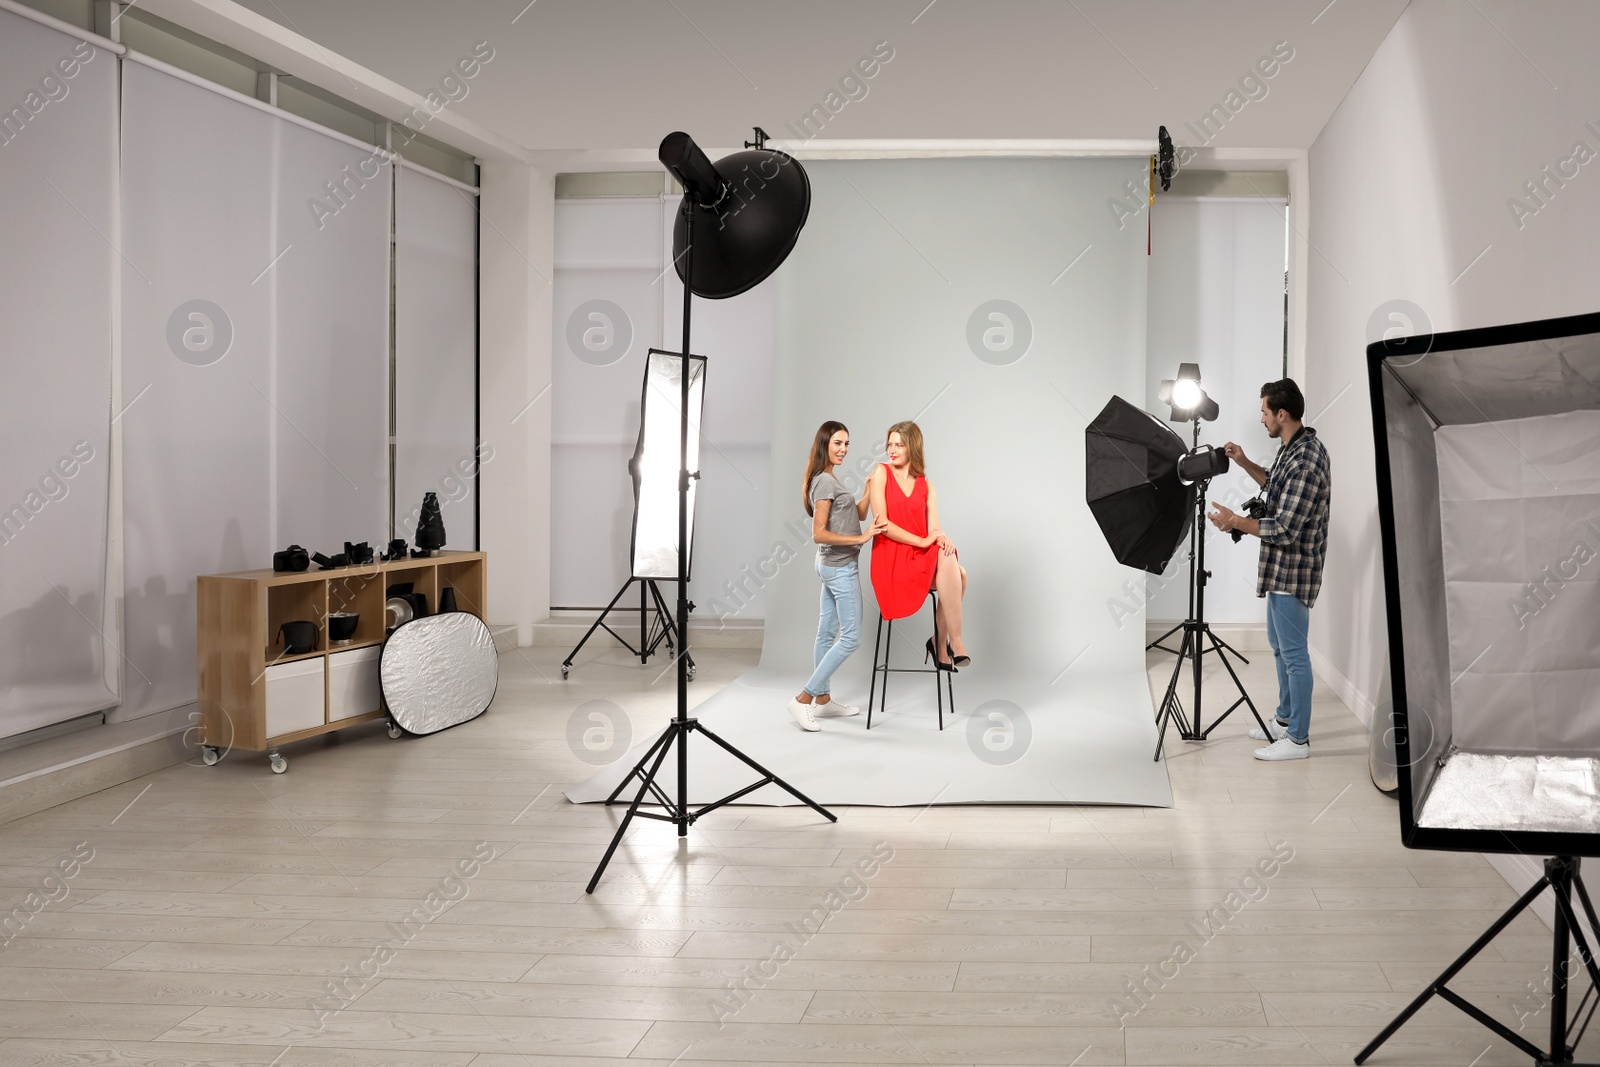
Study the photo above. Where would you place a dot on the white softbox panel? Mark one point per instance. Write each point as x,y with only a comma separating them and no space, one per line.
58,170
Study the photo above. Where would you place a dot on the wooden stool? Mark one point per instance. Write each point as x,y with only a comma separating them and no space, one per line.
883,643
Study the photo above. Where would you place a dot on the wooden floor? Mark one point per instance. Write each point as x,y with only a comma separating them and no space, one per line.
222,903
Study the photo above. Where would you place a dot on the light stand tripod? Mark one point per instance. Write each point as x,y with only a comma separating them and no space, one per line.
652,630
681,728
1197,636
1561,874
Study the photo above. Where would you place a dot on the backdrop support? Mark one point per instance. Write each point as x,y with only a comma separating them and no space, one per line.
1561,873
681,728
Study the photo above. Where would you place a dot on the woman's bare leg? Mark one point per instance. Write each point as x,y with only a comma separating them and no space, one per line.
950,580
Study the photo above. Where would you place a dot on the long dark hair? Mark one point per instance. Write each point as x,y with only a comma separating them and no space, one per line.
818,460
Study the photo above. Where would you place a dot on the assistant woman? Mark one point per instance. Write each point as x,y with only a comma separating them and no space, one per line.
836,528
912,554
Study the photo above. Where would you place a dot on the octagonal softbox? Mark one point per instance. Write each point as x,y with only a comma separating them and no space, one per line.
438,671
1488,464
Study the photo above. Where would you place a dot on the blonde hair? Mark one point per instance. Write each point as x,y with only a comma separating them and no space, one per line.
911,435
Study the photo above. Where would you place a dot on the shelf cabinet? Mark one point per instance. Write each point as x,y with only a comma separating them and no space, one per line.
255,697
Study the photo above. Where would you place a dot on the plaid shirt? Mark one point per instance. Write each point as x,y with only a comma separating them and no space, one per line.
1294,532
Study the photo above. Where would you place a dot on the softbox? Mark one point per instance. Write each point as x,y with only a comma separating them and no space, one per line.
1131,478
654,466
1488,477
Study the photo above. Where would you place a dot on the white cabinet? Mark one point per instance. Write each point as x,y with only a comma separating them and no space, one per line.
353,687
295,696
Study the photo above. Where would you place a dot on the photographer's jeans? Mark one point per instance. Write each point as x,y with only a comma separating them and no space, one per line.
839,627
1287,621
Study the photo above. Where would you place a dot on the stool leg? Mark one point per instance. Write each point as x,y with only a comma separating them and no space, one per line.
938,692
888,645
872,693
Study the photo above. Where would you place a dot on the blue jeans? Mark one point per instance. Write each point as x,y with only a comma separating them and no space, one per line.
839,628
1287,622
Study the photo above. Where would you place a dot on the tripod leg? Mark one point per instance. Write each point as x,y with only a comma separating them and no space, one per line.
638,768
1237,685
1437,986
1157,642
644,787
566,663
779,782
1169,702
1219,641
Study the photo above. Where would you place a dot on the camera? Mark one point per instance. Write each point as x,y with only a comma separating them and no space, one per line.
293,558
1256,508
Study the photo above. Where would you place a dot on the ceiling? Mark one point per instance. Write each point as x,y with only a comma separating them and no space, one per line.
618,74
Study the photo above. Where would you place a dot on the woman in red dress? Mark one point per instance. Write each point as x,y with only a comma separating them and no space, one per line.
913,555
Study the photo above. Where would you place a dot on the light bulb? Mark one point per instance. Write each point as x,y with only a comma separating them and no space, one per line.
1186,393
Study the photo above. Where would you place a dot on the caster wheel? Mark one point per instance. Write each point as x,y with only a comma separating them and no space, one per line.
279,764
563,672
691,672
209,755
394,731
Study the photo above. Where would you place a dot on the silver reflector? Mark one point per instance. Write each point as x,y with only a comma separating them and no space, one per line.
438,672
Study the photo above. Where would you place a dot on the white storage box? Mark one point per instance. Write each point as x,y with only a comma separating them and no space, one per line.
353,687
294,696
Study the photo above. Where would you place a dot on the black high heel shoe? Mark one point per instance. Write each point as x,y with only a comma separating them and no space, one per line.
959,661
937,662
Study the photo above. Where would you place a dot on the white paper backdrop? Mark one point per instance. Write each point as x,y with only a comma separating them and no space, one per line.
58,173
435,294
255,356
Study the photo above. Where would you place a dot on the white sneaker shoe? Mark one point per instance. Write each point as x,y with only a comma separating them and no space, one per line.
802,715
1284,748
836,707
1276,728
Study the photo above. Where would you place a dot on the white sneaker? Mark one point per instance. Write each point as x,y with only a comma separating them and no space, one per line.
1276,728
836,707
1284,748
802,715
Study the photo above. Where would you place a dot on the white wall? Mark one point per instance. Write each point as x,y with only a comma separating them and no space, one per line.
1216,298
1411,180
517,209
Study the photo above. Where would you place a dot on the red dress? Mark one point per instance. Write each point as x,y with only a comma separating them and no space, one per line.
902,574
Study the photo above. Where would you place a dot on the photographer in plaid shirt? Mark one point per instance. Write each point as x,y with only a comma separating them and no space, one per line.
1294,546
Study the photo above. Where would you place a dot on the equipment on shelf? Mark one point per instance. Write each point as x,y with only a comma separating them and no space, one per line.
430,527
329,562
447,600
298,638
357,554
293,558
397,550
398,610
342,627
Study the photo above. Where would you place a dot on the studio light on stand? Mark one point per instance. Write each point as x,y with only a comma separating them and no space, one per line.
1190,403
738,220
653,469
1148,491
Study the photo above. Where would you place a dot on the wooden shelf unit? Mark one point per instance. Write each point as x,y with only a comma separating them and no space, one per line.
238,637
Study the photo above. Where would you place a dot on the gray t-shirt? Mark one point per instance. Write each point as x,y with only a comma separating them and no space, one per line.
842,519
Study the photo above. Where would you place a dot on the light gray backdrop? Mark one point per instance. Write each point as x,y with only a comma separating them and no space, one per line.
873,316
